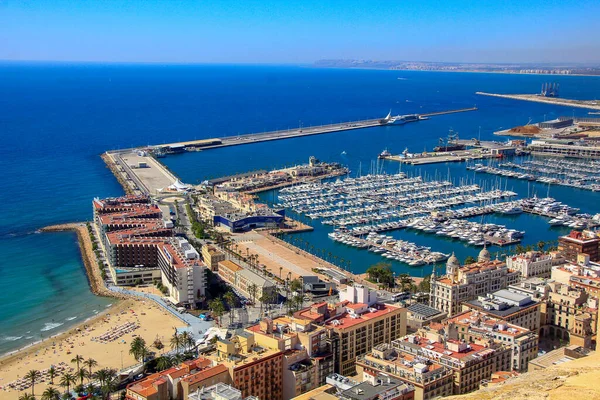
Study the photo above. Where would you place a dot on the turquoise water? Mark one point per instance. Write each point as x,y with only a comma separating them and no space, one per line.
56,119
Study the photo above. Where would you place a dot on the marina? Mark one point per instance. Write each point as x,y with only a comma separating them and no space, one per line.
552,172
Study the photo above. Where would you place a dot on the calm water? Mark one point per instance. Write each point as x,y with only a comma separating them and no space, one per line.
56,119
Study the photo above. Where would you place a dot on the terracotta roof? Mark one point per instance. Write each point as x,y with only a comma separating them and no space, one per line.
205,374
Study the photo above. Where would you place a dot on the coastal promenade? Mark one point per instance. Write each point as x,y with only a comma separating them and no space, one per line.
589,104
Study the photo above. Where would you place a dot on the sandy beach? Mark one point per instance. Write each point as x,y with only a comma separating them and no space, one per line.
152,320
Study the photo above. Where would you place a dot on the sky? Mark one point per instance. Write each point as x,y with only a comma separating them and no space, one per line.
300,32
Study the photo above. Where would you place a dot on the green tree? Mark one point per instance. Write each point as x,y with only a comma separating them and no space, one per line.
26,396
296,286
138,348
51,394
252,290
66,380
90,363
107,378
76,360
381,273
231,301
470,260
406,282
82,374
540,245
176,342
163,363
424,285
33,376
52,374
217,308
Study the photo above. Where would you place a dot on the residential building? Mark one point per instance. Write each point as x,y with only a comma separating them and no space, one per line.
470,362
535,288
476,327
140,248
465,283
212,256
243,280
514,308
419,315
362,326
430,379
379,387
219,391
177,382
253,369
531,264
579,242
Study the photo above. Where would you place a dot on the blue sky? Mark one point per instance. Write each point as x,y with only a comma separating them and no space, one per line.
222,31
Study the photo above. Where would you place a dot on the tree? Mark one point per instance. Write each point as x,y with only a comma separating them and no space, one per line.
26,396
67,380
51,394
90,363
52,374
82,374
406,282
138,348
163,363
470,260
32,376
108,381
187,340
381,273
252,290
231,301
77,359
296,286
424,285
176,342
217,308
540,245
519,249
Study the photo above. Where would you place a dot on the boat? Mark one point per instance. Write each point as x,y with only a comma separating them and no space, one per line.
384,154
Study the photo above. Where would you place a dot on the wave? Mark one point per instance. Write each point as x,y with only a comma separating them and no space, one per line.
50,325
10,338
70,318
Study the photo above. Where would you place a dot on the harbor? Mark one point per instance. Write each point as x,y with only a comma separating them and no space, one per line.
589,104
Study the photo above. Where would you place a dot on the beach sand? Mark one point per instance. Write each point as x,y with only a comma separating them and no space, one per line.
153,320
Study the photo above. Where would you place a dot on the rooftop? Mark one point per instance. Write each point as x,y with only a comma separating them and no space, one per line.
424,310
346,320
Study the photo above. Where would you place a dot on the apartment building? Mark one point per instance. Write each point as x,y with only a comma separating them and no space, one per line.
470,363
514,308
531,264
464,283
253,369
576,242
430,379
476,327
245,281
178,382
211,256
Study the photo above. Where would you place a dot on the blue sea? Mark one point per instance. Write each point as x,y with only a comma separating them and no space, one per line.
56,119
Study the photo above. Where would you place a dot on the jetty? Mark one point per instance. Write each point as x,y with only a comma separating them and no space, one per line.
589,104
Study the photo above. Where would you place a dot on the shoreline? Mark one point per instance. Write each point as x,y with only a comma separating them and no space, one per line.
95,282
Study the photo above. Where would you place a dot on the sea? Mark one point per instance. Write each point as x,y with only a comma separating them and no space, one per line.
57,118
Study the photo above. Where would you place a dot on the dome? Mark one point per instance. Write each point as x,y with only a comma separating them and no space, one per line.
453,261
484,255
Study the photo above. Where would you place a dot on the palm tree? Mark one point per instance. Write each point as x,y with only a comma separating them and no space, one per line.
26,396
67,380
187,340
108,380
164,362
176,342
33,375
51,394
138,348
82,374
252,289
52,374
231,302
77,359
217,308
90,363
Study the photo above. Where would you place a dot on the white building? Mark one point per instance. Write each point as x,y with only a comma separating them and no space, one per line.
531,264
461,284
358,294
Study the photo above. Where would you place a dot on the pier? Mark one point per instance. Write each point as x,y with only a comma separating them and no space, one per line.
589,104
